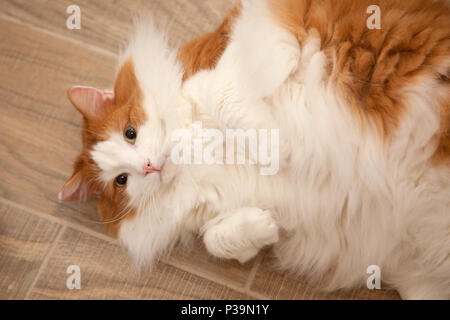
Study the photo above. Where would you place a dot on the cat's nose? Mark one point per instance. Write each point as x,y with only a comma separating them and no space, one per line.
147,168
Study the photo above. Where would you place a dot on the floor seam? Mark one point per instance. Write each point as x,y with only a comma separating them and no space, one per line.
45,261
85,230
192,271
253,271
59,221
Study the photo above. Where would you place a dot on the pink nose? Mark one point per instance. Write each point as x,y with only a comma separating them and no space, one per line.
147,168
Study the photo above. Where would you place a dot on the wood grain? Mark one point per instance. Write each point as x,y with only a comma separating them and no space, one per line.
106,273
25,240
281,286
107,23
40,129
199,261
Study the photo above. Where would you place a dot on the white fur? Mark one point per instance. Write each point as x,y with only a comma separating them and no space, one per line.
240,234
344,198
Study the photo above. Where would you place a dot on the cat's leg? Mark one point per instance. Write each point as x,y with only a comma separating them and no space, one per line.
240,234
261,55
257,61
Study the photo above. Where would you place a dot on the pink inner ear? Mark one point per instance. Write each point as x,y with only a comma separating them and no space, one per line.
90,101
74,189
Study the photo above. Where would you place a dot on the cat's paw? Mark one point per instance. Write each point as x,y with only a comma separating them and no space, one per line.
245,255
241,234
258,230
262,228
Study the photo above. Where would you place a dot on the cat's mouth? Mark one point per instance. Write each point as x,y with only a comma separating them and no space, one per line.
148,169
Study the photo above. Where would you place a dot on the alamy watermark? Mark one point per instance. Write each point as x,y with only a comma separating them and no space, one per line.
74,280
374,280
74,20
237,146
374,21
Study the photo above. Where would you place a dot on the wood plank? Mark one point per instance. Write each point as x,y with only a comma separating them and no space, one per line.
282,286
25,240
106,273
40,129
201,262
107,23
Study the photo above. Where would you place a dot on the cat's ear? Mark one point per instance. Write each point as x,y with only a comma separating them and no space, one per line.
90,101
76,188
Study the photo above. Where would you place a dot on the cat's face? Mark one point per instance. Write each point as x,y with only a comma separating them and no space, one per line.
125,146
132,154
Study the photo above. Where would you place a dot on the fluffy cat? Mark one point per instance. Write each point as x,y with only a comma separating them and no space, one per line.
364,125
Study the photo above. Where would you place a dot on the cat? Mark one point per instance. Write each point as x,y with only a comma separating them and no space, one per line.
364,136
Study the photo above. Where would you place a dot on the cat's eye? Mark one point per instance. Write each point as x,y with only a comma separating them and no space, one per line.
121,180
130,135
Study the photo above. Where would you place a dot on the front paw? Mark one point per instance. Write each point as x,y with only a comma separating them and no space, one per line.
262,228
259,229
241,235
245,254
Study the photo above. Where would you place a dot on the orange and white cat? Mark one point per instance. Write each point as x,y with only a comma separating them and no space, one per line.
364,124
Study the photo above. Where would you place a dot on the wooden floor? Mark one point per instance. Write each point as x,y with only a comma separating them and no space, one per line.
40,137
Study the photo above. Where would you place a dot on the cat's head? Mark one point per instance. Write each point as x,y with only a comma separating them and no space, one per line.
126,131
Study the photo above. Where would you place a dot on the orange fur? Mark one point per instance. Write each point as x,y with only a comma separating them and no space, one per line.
370,67
442,155
205,51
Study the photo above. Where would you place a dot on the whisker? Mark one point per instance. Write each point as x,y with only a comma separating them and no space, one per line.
121,215
92,132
